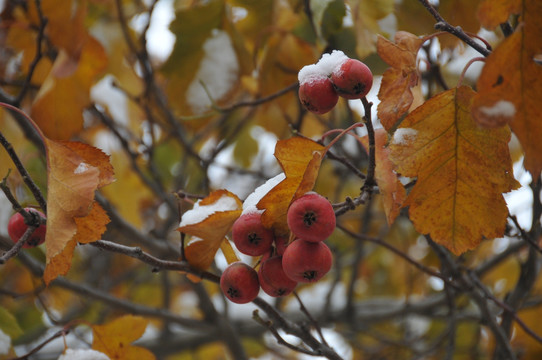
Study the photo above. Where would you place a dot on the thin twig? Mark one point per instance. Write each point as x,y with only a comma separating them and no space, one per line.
22,170
443,25
305,311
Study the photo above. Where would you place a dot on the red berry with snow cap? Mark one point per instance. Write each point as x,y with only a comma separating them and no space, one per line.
316,92
273,280
305,261
239,283
17,228
311,217
318,96
250,236
352,80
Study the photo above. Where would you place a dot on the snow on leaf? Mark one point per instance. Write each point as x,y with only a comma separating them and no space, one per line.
403,136
395,90
83,354
392,191
210,220
300,159
114,338
249,205
461,169
70,198
512,75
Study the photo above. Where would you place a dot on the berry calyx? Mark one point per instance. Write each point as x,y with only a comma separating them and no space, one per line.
17,227
311,217
352,80
239,283
305,261
273,280
250,236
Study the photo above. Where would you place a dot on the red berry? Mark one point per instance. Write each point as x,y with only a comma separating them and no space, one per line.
250,236
305,261
318,95
273,280
352,80
17,228
281,243
239,282
311,217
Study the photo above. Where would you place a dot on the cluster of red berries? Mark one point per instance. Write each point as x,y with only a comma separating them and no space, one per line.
17,227
334,75
283,265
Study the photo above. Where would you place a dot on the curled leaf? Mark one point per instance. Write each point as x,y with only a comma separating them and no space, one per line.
300,159
209,221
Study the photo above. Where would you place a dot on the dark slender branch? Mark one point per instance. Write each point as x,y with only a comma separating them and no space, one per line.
261,100
60,333
156,263
37,57
367,120
24,174
397,252
280,339
18,245
313,321
443,25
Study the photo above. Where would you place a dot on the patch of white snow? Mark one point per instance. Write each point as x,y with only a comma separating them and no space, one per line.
201,212
500,108
402,136
218,70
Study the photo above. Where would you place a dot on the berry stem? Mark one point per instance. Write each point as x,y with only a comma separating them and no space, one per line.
338,137
367,119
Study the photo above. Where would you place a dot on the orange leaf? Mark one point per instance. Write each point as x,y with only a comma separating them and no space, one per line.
210,220
492,13
395,94
75,171
462,171
114,339
60,263
91,227
300,159
392,191
510,86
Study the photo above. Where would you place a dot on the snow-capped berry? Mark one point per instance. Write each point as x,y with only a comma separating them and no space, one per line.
305,261
311,217
17,228
239,283
250,236
273,280
318,96
352,80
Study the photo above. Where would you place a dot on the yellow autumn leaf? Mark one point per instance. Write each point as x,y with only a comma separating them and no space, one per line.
461,170
510,86
74,171
492,13
114,338
395,92
60,102
300,159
